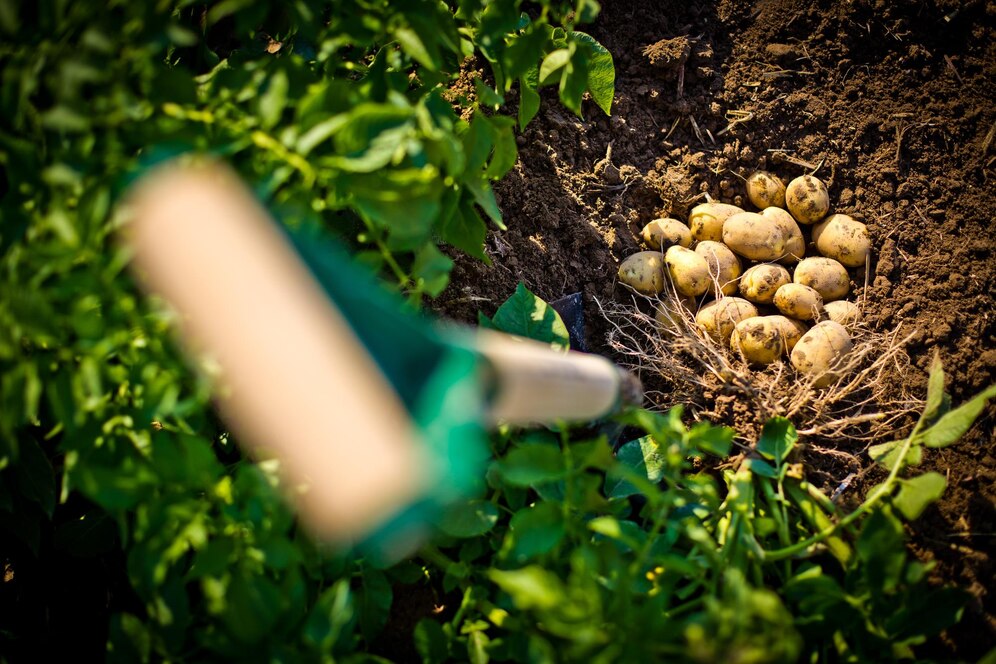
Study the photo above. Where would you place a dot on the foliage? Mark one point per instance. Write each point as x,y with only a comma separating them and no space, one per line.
340,113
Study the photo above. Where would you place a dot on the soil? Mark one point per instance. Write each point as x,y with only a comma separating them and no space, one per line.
892,102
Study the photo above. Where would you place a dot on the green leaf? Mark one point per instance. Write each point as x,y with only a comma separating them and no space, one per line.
505,150
926,613
881,547
35,479
601,72
426,54
465,230
643,456
953,425
373,603
477,644
917,493
274,99
529,99
935,388
712,439
431,270
485,197
535,530
530,587
552,63
778,438
762,468
486,95
533,464
431,641
887,454
527,315
469,519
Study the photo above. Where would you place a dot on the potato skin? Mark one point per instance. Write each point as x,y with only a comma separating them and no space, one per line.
807,199
688,270
754,236
667,232
765,189
724,266
765,339
846,313
799,302
707,219
719,318
821,351
824,275
759,283
643,272
795,243
842,238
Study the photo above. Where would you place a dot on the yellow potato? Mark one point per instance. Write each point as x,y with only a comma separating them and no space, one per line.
754,236
720,317
846,313
724,266
807,199
765,189
760,340
821,352
689,271
795,244
842,238
791,329
663,233
759,283
824,275
799,302
644,272
706,220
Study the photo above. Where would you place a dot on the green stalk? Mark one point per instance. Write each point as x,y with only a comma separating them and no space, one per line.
880,492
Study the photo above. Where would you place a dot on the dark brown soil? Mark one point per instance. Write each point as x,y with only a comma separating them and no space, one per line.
892,100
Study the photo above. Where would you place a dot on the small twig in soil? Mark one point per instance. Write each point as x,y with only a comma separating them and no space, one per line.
734,118
953,70
780,156
987,143
695,128
673,127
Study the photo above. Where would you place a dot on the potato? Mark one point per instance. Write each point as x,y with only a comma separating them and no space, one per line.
706,220
644,272
688,270
719,318
807,199
795,244
821,352
664,233
765,190
846,313
799,302
824,275
724,266
754,236
842,238
761,340
759,283
791,329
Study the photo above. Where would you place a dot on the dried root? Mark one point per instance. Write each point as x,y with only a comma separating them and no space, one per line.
659,339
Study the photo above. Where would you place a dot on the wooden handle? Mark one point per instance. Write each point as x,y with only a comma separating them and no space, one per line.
536,383
296,382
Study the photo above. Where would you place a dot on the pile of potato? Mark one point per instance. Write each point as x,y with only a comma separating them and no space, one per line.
763,312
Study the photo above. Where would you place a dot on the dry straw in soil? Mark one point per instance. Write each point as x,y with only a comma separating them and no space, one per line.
660,340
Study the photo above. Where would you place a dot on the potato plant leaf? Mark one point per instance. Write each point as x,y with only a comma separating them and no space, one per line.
778,437
952,425
601,72
469,518
530,587
529,316
533,464
535,530
916,493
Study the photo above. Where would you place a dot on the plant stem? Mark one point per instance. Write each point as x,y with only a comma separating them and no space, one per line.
880,492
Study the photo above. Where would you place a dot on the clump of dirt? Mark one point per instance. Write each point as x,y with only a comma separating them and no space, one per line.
889,103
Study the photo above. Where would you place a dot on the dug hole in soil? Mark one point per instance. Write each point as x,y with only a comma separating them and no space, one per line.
894,103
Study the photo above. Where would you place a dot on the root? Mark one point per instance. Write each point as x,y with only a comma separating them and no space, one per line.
658,338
